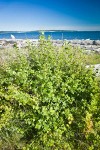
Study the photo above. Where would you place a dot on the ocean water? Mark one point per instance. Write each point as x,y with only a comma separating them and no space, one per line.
61,35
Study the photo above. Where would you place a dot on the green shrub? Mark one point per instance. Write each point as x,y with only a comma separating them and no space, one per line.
48,100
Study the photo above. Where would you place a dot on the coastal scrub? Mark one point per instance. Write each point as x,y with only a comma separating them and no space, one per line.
49,100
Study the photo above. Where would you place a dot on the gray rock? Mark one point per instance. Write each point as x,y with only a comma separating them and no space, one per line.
82,46
1,46
96,42
83,42
89,47
88,42
74,41
96,68
88,52
59,42
10,42
97,50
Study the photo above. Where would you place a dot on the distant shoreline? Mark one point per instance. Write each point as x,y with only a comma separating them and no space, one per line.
50,30
55,34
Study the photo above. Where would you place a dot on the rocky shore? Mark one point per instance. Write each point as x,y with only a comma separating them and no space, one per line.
88,45
20,43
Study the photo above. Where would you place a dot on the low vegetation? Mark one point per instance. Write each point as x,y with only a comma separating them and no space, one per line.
49,100
93,58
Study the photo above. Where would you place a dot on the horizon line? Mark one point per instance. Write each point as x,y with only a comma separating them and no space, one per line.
45,30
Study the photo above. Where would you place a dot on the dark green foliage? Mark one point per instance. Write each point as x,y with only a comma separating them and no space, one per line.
48,100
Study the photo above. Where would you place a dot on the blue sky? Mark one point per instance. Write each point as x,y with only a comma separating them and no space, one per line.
28,15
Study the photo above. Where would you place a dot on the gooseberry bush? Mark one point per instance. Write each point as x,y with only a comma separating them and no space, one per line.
49,100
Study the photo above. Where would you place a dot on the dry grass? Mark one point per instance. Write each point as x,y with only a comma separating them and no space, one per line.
92,59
